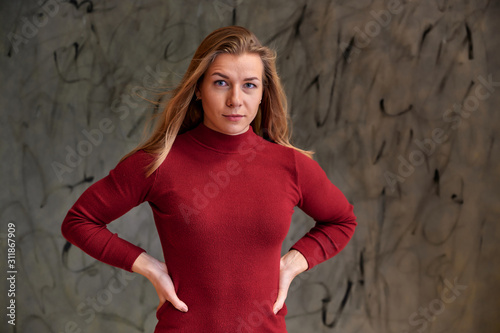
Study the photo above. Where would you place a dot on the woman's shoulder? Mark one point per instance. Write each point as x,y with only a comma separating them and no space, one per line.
135,163
138,157
289,156
290,152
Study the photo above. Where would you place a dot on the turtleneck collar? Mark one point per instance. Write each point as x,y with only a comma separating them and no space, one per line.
226,143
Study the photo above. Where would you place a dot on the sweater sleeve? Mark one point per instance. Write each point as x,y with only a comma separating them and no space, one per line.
85,224
327,205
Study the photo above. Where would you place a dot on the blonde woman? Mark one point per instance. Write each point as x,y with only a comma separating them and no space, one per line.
222,180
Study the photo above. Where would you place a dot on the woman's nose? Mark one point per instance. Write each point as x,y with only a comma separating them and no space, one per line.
234,98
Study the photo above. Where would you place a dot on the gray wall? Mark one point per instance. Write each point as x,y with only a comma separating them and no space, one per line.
397,106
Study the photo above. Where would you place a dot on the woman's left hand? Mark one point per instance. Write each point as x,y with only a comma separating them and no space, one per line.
291,264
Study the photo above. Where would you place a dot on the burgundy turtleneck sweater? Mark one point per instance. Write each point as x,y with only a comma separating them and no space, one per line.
222,205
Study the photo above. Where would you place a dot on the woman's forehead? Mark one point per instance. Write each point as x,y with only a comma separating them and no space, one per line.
243,65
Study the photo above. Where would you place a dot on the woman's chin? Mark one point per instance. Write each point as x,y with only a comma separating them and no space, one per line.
231,127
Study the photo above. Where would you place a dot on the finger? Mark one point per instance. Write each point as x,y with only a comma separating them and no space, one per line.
178,304
166,291
280,300
282,294
284,285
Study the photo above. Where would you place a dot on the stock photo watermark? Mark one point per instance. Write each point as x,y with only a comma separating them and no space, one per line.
256,318
421,318
88,309
263,308
11,273
30,25
382,19
427,146
122,106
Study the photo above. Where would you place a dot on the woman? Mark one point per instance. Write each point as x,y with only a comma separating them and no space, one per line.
222,180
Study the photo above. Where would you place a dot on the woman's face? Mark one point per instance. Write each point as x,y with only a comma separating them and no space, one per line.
231,91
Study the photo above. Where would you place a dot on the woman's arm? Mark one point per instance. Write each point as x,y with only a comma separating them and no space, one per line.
335,224
85,224
327,205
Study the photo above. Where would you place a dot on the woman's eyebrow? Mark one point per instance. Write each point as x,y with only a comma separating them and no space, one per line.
221,75
253,78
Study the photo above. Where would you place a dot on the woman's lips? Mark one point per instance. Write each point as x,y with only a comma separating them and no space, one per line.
233,117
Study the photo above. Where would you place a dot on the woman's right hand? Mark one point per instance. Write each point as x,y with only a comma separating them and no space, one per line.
156,272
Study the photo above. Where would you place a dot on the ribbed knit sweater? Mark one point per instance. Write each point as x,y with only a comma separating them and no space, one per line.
222,205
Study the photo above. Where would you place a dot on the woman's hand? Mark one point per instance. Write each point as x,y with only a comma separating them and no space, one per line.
291,264
156,272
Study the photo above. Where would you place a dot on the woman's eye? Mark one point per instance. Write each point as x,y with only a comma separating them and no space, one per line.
220,83
250,85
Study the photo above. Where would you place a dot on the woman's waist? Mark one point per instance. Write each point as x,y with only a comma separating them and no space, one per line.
223,314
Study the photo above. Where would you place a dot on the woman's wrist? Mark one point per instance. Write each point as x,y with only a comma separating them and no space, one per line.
146,265
295,261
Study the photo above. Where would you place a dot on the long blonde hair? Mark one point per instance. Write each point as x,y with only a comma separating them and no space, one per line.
183,112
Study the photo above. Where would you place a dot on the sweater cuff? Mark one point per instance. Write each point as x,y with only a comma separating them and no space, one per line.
131,256
313,251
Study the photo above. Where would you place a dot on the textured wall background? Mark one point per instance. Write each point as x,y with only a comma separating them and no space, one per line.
399,100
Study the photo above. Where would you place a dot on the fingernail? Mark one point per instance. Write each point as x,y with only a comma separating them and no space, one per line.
275,311
184,308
